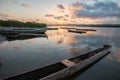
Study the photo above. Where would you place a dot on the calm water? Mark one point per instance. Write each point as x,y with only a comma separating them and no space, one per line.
18,56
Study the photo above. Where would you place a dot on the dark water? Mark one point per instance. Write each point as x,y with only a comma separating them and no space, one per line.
18,56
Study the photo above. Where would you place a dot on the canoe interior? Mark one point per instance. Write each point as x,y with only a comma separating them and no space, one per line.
48,70
24,36
39,73
17,32
80,58
79,72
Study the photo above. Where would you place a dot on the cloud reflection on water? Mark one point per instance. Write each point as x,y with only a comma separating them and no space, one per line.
73,40
11,45
62,36
81,42
75,43
115,54
60,45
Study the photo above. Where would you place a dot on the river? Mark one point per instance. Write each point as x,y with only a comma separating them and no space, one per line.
22,55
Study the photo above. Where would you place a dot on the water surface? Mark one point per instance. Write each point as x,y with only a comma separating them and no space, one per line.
18,56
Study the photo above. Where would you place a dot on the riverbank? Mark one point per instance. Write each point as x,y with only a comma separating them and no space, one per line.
14,23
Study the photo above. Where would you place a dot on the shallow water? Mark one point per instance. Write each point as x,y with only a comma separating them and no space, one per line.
19,56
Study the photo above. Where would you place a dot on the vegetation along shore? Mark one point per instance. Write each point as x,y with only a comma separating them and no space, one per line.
14,23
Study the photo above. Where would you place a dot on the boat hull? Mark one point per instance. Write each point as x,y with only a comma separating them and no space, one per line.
63,74
77,31
24,36
17,32
65,68
87,29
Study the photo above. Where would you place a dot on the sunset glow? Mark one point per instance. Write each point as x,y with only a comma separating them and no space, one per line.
61,11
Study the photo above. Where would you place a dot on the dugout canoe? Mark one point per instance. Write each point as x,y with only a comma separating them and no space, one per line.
65,68
76,31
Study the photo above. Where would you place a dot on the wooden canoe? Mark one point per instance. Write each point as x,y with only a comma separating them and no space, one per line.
21,30
67,28
64,68
76,31
24,36
87,29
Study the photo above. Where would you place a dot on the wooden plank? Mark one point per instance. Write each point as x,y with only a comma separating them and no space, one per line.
68,63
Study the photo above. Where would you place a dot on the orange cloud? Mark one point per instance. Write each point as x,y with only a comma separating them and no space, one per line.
5,16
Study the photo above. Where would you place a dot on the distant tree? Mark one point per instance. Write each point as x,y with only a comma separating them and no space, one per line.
14,23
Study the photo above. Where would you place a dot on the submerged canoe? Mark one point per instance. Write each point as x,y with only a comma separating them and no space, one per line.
63,69
87,29
67,28
21,30
24,36
76,31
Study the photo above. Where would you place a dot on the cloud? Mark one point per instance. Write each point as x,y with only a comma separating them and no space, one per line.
57,17
21,4
31,20
67,15
60,18
99,9
13,1
49,15
5,16
37,20
60,6
25,5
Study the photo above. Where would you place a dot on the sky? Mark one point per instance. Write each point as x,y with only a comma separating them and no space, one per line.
62,11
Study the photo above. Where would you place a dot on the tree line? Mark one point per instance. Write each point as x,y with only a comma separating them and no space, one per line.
14,23
88,25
